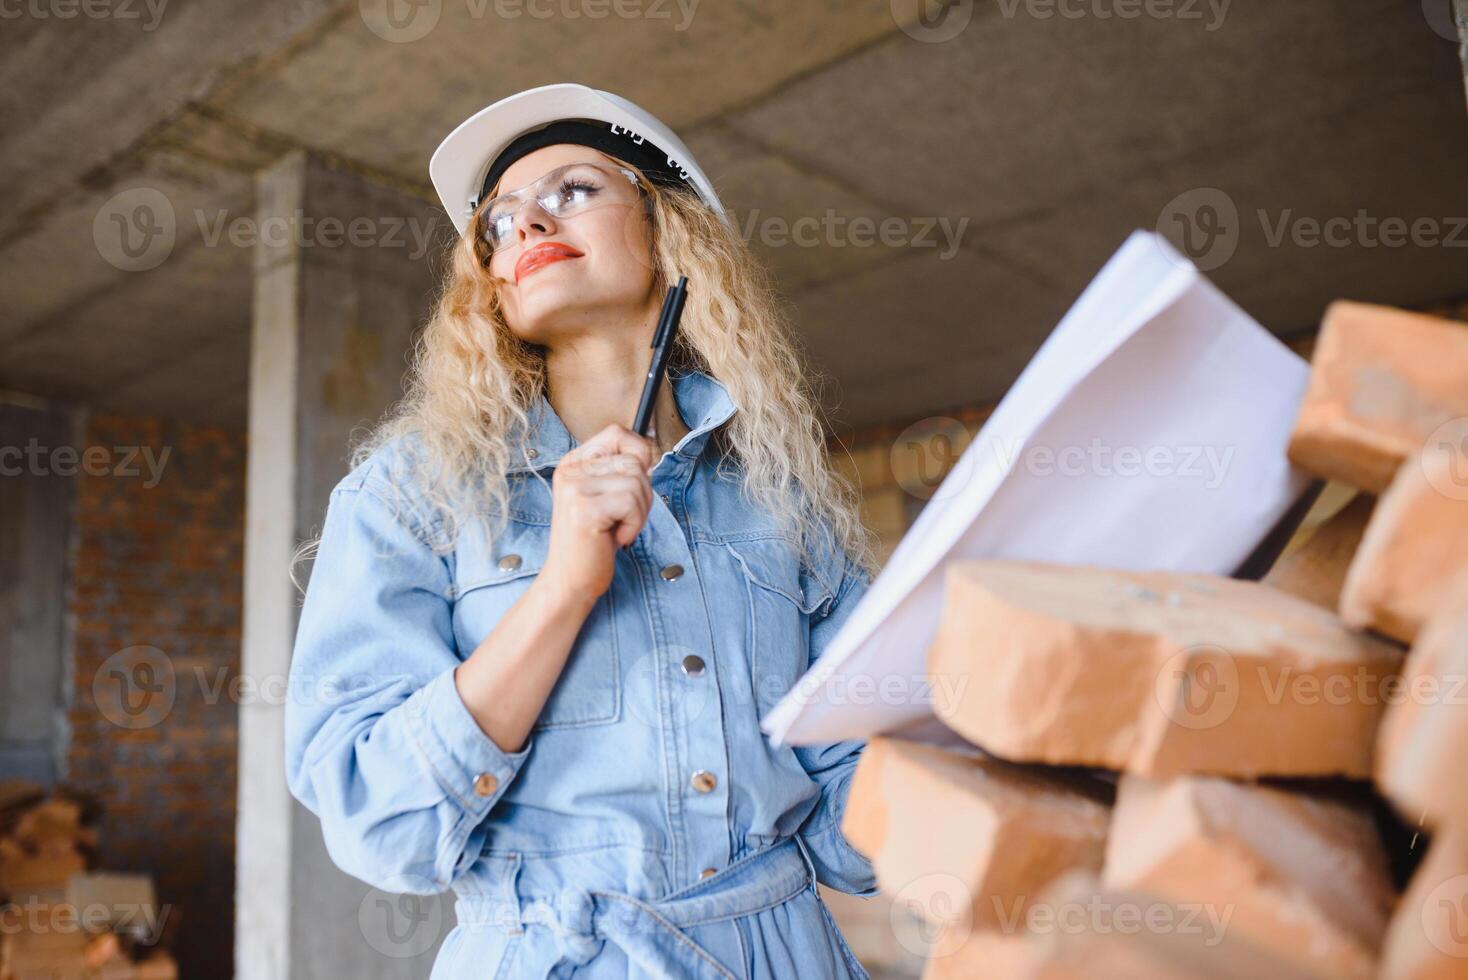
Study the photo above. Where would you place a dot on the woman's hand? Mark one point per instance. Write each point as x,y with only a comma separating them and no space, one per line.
600,497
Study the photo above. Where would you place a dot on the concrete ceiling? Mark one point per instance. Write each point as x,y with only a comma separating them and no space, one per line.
1030,145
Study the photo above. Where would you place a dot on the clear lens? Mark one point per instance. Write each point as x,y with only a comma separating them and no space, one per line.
562,193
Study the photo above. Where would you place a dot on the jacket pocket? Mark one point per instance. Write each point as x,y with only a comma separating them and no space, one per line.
489,582
782,598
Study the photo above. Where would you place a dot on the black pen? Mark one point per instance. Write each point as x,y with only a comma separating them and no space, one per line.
662,346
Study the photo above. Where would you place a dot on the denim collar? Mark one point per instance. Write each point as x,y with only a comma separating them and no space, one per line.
703,402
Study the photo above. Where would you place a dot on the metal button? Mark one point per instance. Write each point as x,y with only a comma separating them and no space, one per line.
708,872
670,572
532,452
704,781
485,784
509,563
693,665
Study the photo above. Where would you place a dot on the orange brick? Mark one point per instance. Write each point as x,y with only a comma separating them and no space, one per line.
1415,546
1428,938
1381,381
1316,569
1419,758
983,954
1306,877
1005,832
1089,932
1154,673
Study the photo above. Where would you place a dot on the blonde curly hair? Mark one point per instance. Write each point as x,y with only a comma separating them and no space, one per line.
472,385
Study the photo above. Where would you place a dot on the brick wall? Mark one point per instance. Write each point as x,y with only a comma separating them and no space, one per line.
155,605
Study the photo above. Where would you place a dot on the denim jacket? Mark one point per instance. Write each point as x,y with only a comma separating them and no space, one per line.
646,823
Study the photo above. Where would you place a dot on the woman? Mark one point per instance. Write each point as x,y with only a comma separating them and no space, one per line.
536,645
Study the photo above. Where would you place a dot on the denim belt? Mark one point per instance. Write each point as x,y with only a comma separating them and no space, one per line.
651,933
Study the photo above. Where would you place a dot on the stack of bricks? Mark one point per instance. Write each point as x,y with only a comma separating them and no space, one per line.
1181,775
58,921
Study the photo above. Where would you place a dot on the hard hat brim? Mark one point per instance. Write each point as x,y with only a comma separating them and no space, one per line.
458,166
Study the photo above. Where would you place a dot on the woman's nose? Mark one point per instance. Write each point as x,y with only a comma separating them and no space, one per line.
533,219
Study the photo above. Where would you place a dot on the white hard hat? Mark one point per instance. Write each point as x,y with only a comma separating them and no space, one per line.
461,162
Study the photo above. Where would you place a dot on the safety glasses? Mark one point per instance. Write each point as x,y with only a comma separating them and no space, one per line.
564,192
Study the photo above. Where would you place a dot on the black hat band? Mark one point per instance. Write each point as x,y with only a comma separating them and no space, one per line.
613,140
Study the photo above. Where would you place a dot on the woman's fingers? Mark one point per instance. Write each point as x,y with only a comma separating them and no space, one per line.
638,491
618,463
616,439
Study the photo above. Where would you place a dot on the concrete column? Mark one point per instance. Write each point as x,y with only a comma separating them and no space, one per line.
342,279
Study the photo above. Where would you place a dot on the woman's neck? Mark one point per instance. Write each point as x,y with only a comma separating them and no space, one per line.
594,383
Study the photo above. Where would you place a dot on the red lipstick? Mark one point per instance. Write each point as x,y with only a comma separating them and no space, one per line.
543,255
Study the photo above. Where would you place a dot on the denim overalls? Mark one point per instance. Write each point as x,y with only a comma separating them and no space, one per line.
646,827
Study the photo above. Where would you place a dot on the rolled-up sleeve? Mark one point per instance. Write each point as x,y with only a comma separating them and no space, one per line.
832,765
379,745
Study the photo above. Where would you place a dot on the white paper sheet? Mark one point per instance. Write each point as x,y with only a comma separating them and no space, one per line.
1165,410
